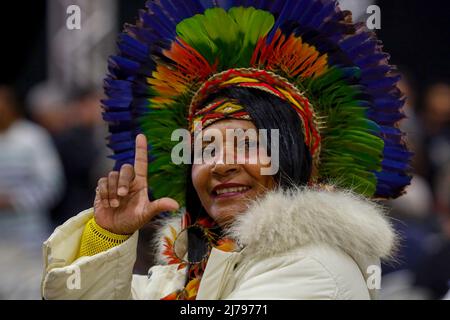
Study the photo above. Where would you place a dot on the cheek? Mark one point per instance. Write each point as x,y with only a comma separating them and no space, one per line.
259,180
199,176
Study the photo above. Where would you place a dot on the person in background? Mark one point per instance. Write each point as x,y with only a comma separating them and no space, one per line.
411,212
47,105
412,124
31,180
410,215
82,151
436,115
75,123
433,275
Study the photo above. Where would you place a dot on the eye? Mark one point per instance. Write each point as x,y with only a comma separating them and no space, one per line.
247,147
247,144
251,144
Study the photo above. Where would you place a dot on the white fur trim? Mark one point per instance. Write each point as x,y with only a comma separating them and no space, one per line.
285,220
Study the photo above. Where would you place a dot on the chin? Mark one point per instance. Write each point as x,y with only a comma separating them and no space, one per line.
226,216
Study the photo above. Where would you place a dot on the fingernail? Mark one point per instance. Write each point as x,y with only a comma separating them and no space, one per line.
114,203
105,203
122,191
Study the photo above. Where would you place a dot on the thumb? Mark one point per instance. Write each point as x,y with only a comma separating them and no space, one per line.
160,205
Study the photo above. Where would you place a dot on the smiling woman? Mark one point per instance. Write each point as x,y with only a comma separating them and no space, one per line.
225,188
308,230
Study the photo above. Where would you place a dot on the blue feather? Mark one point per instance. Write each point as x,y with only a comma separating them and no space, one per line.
124,156
194,6
144,34
398,152
326,12
363,49
121,103
394,165
125,65
385,118
303,12
122,146
382,83
119,85
354,41
117,116
175,10
154,22
376,72
388,104
156,11
120,136
286,11
371,60
206,4
390,131
227,4
133,48
393,179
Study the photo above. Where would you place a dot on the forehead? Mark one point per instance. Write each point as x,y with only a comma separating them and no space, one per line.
225,124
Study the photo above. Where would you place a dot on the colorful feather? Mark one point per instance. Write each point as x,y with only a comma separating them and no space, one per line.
338,66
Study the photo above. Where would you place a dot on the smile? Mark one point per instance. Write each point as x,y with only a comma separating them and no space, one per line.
229,191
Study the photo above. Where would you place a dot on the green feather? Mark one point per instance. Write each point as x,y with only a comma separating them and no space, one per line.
357,149
229,36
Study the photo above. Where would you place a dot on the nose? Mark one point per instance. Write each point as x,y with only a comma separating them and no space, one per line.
223,166
223,163
223,169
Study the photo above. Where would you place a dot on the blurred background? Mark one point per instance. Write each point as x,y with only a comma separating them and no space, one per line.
53,150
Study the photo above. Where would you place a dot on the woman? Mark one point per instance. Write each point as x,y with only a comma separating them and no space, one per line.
307,231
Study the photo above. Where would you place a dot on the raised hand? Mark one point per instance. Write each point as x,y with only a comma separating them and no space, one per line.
121,203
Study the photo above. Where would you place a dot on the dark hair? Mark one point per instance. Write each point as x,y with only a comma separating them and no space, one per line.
267,112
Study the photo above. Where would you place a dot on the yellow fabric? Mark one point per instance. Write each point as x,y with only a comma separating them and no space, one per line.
95,239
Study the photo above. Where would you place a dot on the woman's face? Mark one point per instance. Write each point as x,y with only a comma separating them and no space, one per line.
224,188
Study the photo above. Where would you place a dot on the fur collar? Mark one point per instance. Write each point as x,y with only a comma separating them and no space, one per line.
285,220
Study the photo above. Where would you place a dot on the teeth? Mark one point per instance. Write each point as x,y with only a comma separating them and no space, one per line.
229,190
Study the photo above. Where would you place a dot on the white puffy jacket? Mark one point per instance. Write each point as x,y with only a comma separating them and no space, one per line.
302,244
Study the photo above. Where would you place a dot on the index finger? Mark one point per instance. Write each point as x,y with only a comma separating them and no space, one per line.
141,156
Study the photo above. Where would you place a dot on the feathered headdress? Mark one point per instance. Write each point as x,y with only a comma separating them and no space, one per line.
307,52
